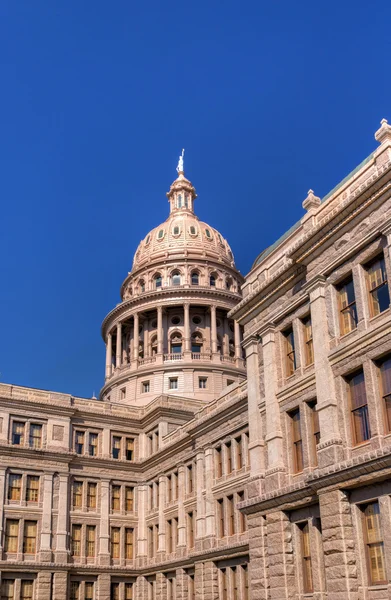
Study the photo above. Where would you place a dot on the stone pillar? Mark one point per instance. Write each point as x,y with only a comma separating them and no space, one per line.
256,441
238,349
62,552
200,519
45,551
213,329
282,577
338,546
275,474
135,336
186,320
146,338
182,590
181,507
104,530
210,525
258,566
142,501
109,350
160,330
60,585
118,354
2,497
206,581
103,586
330,449
162,520
226,337
43,585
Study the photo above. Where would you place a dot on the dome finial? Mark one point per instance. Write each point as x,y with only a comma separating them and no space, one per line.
180,162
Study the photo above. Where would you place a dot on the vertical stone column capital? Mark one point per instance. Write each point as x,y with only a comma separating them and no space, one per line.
316,288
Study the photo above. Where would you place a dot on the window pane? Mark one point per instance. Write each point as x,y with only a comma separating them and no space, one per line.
14,487
35,436
357,390
32,489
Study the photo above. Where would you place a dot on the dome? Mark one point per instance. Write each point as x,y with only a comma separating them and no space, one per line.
182,234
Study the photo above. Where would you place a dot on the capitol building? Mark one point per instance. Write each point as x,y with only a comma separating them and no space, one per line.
240,448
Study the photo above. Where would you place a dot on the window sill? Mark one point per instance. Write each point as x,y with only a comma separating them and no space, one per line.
379,587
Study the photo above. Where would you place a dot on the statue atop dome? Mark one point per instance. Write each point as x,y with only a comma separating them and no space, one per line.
180,162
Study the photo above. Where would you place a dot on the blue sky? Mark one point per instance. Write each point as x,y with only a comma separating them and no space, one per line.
97,99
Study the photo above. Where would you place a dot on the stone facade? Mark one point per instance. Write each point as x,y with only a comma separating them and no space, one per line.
186,480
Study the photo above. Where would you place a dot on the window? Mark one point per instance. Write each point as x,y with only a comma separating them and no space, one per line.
359,408
220,517
297,442
193,230
79,442
35,436
142,286
30,537
208,234
309,344
114,591
219,462
228,446
195,278
315,431
347,306
306,558
116,497
129,448
93,444
122,393
379,297
7,589
145,387
11,536
176,278
128,543
212,280
26,590
374,544
230,515
114,542
190,529
116,450
77,494
239,452
91,495
90,553
176,230
242,517
128,591
191,587
75,589
88,590
173,383
385,386
160,235
179,200
202,382
290,355
76,540
14,487
18,433
158,281
129,495
190,482
32,488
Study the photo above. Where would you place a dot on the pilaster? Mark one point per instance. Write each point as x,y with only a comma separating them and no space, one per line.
62,552
45,552
104,530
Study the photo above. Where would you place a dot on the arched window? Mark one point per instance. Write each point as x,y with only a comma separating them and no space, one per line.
158,281
212,280
193,230
196,343
195,278
176,230
160,235
176,278
186,201
208,234
142,286
154,345
228,283
179,203
176,343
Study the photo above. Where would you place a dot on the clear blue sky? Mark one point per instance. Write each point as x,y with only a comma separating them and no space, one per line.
98,98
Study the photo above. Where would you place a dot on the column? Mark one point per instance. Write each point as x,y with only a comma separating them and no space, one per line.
330,449
2,496
256,441
186,310
210,526
43,585
258,566
109,349
199,534
226,337
282,576
119,346
181,507
238,349
103,586
162,521
62,520
45,552
142,501
160,330
213,328
60,585
146,338
135,336
104,532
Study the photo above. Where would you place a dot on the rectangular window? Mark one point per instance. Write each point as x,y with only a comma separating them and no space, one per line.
315,431
190,529
191,586
230,515
202,383
122,393
88,590
359,408
145,387
30,537
173,383
229,457
385,386
128,543
190,483
75,590
32,488
129,448
26,590
129,494
220,517
91,530
309,344
374,544
242,517
116,497
290,355
379,297
239,452
8,589
219,462
35,436
91,495
79,442
128,591
297,442
235,583
11,535
14,487
224,584
77,494
93,444
115,542
18,433
116,449
76,540
347,306
114,591
306,558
